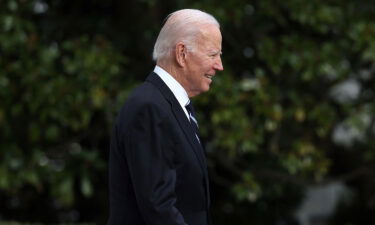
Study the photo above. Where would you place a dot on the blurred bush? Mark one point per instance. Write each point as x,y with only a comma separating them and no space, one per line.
294,106
17,223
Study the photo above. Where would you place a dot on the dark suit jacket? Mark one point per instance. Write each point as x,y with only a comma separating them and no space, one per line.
157,170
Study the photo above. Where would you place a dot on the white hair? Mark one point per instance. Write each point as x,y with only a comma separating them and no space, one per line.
181,26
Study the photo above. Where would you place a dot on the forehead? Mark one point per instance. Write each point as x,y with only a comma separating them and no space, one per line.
209,37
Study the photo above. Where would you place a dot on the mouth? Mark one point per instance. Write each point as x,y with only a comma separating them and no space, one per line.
208,76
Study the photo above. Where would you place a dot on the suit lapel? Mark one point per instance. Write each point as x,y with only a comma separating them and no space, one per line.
181,118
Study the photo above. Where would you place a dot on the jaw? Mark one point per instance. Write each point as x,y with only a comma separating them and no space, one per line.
203,87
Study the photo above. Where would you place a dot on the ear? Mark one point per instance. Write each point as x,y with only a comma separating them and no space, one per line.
180,54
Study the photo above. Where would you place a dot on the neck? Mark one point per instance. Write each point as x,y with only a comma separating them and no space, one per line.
177,73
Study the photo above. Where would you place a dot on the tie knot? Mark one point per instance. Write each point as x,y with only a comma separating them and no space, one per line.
189,107
194,123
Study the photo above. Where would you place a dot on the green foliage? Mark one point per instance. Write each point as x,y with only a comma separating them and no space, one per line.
271,121
55,100
273,114
17,223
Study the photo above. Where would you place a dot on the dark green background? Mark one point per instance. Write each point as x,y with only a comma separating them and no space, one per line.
270,120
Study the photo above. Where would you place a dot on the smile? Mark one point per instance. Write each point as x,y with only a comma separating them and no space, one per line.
208,76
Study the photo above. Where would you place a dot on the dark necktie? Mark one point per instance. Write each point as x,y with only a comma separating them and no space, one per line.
193,121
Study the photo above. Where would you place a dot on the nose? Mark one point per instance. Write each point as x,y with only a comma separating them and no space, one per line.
218,64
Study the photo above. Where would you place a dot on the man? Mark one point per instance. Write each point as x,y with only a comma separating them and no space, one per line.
158,171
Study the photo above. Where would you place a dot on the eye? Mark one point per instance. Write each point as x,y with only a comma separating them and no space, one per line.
217,53
214,55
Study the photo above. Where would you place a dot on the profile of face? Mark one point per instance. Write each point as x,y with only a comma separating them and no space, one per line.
203,61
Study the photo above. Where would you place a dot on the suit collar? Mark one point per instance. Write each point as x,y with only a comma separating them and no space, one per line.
178,91
181,118
159,83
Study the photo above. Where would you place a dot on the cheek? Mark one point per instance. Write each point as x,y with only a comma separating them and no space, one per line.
205,66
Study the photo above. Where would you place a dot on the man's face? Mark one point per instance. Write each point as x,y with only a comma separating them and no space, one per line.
203,62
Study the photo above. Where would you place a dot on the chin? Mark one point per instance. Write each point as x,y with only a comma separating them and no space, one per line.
206,89
202,89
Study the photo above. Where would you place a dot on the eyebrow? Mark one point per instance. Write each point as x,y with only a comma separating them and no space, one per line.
215,52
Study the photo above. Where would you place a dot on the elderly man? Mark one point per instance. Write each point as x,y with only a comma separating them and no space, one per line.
157,170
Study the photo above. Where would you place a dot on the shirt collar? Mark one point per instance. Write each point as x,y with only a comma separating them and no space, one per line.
178,91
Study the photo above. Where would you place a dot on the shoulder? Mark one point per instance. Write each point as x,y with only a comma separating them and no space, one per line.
146,96
146,92
145,102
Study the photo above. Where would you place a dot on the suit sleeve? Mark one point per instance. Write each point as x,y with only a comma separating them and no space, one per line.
149,152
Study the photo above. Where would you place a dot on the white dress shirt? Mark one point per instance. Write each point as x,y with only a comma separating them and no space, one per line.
176,88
